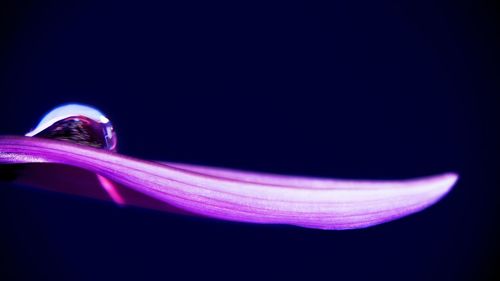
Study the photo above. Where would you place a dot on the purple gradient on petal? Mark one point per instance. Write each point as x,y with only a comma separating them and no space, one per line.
243,196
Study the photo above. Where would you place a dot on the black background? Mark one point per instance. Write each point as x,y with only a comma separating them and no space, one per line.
364,90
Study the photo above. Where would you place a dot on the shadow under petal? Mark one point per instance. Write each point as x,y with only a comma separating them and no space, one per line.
76,181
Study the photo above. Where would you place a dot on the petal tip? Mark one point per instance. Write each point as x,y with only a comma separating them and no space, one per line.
449,180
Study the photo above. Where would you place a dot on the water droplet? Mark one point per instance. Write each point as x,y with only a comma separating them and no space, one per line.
78,124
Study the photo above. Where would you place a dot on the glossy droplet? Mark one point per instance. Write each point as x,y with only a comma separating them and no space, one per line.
79,124
83,125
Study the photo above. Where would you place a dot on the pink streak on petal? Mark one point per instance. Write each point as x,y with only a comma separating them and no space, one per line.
246,197
111,189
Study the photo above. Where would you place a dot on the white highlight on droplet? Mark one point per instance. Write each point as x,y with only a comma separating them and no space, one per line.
65,111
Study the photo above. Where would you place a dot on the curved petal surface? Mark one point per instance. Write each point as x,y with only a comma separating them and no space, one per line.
243,196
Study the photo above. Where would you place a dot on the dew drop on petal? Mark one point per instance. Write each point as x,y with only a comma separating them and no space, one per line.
84,125
78,124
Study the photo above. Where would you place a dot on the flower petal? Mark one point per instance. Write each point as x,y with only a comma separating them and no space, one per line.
242,196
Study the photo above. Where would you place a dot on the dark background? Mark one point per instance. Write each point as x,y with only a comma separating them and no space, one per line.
364,90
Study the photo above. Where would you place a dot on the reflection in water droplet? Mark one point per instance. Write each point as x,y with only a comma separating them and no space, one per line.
79,124
83,125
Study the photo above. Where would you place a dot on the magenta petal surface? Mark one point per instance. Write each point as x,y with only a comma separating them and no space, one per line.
243,196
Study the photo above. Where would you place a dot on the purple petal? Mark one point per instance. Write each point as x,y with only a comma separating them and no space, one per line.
242,196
